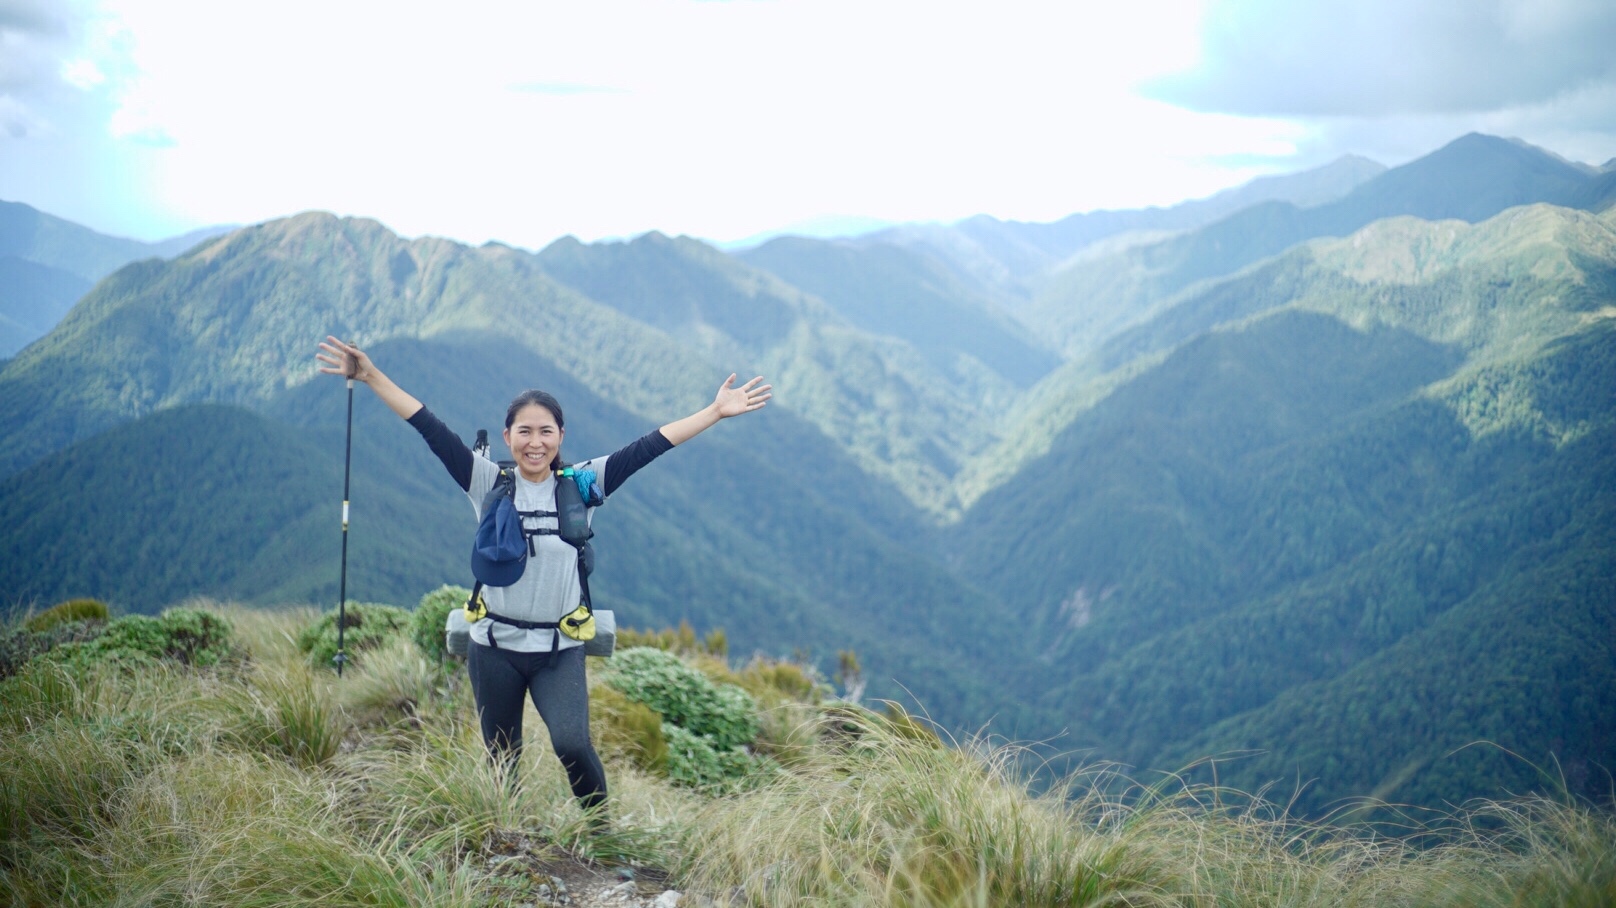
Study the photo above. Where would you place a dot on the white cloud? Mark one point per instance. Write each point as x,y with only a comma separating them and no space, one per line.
1393,57
82,74
522,121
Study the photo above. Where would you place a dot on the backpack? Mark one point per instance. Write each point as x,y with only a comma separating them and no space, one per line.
503,544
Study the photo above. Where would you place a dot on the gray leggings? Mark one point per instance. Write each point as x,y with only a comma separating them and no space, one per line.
501,679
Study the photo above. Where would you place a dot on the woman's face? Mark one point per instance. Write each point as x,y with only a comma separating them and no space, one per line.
534,440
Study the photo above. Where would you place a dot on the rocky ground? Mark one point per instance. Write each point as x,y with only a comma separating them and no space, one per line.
527,873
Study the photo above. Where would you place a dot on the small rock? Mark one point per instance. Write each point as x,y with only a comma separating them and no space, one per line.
669,899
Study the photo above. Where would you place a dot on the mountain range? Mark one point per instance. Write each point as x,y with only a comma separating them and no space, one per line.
47,264
1314,477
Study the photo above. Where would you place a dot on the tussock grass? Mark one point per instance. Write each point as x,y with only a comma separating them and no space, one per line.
399,687
285,710
893,819
274,783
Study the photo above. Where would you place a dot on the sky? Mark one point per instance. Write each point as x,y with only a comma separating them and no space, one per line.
522,121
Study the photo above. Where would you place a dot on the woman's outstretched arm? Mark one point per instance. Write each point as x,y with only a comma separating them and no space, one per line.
338,358
730,401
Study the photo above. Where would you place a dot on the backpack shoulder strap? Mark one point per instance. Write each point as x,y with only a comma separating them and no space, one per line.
572,522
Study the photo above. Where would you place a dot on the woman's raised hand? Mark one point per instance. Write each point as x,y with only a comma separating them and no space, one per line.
338,358
733,401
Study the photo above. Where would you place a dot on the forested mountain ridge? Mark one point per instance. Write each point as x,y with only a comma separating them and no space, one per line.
1477,306
1329,455
47,263
888,290
912,407
1011,258
1472,178
1497,289
231,321
32,235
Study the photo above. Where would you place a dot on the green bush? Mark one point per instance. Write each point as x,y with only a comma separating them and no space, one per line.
681,641
694,762
65,613
723,713
368,626
17,645
187,636
427,624
620,727
772,682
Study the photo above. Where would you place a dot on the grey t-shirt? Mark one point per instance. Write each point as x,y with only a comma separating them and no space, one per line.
548,589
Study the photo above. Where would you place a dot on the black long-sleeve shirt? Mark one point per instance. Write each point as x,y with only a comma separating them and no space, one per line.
457,456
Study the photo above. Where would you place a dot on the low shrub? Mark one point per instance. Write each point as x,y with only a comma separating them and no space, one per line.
772,682
694,762
682,641
18,645
723,713
431,614
368,625
188,636
66,613
623,728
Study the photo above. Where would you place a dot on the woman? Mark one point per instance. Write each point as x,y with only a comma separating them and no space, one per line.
506,662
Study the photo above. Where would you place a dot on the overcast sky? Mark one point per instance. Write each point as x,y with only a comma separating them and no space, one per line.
525,120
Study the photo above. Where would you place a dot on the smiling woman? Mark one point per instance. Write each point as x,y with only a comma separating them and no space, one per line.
517,650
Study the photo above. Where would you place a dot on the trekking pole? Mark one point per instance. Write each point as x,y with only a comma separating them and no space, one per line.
342,590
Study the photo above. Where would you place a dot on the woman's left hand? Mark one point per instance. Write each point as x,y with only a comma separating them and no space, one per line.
733,401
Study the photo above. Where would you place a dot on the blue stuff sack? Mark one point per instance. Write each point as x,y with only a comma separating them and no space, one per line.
499,555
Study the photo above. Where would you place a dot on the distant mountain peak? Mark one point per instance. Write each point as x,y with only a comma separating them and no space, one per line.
1474,143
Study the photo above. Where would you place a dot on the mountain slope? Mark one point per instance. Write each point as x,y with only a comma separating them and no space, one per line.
1471,179
33,298
34,236
1281,518
47,263
1011,257
1497,289
236,320
891,291
911,418
1515,645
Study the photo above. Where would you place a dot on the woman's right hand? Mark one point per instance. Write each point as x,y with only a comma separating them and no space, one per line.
338,358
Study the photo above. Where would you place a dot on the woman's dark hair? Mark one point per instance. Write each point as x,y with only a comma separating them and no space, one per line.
533,396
